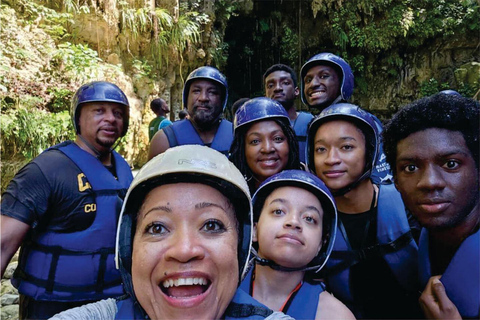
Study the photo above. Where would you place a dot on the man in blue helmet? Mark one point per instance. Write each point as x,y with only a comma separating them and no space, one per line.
281,85
62,209
327,79
205,96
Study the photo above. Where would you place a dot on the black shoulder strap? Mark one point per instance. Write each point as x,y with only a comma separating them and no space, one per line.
237,310
172,139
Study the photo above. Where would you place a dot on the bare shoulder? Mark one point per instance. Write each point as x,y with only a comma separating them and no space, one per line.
158,144
330,307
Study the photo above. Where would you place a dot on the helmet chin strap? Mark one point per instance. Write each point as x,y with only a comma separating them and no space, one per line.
98,154
350,187
275,266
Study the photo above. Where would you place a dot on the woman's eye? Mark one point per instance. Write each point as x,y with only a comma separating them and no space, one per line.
254,142
347,147
310,219
277,212
320,149
278,139
214,226
156,228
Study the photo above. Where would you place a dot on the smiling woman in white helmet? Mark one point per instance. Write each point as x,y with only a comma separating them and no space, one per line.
183,242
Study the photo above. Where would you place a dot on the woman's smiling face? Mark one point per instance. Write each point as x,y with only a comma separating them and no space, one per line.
184,262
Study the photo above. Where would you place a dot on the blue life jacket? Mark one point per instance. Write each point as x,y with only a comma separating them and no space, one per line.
302,304
182,132
300,126
461,279
241,306
76,266
395,245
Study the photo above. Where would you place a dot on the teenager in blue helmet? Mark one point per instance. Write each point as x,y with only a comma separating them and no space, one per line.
327,79
280,83
264,142
62,209
205,96
183,242
372,268
433,147
295,222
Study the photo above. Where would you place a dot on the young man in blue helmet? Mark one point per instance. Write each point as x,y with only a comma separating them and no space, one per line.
205,96
281,85
160,108
183,257
62,209
327,79
432,145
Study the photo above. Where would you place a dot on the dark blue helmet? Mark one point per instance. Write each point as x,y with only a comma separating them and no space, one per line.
346,87
99,91
311,183
452,92
209,73
259,109
352,113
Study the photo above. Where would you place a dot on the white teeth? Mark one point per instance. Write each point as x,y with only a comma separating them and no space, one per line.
184,282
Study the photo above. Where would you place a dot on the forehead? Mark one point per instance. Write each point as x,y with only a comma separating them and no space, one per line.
264,126
279,74
334,128
204,83
320,68
432,143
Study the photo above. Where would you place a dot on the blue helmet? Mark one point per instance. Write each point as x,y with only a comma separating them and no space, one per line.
346,87
452,92
208,73
362,119
99,91
311,183
259,109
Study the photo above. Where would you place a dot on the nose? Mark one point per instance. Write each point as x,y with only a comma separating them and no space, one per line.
292,222
185,246
267,146
315,81
431,178
278,87
203,96
332,157
109,115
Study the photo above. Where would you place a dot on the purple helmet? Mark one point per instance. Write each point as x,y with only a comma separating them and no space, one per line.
99,91
346,87
259,109
452,92
311,183
352,113
208,73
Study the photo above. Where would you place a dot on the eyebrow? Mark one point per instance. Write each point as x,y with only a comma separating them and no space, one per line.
202,205
313,208
447,154
347,138
159,208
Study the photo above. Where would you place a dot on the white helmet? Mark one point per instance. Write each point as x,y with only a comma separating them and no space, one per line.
187,163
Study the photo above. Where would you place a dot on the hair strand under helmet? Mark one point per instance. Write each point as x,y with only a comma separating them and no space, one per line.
99,91
257,109
311,183
207,73
190,164
346,87
361,119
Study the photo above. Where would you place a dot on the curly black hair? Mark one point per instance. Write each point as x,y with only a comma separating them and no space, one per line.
442,111
237,150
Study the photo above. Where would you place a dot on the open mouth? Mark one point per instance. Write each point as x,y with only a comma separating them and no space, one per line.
185,287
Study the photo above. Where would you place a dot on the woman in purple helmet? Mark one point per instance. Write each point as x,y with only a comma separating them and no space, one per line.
264,141
295,221
373,265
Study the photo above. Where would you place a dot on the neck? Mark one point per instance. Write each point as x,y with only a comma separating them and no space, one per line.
453,237
272,287
103,155
357,200
292,112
